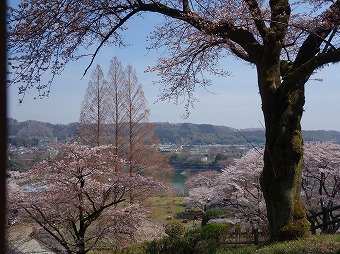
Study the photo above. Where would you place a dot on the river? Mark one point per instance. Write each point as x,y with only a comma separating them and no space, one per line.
180,176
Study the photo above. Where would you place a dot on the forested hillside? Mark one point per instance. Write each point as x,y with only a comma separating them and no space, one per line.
40,130
175,133
205,134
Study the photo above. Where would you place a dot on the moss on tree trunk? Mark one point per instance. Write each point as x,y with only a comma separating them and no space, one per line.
282,106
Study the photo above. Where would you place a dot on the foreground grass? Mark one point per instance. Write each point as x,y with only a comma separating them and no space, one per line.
325,244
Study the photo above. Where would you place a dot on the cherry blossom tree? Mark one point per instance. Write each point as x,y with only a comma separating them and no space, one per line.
202,189
80,201
321,179
240,191
286,41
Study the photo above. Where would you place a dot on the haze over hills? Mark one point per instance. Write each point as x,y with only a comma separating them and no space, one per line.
175,133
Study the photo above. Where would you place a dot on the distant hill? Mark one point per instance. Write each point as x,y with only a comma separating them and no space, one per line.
175,133
205,134
41,130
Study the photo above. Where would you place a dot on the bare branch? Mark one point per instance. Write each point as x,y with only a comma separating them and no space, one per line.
120,23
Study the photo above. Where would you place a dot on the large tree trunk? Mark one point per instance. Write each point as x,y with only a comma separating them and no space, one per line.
282,106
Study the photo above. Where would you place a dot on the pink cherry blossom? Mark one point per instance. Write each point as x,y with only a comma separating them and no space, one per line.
79,199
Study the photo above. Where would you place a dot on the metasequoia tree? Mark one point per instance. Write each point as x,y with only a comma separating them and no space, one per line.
114,111
140,143
117,116
140,147
284,42
94,113
137,117
80,201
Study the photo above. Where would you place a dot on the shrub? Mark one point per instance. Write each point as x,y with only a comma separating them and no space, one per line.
168,245
214,214
207,239
174,229
204,240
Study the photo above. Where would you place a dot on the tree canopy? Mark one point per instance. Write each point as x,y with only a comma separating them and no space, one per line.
53,33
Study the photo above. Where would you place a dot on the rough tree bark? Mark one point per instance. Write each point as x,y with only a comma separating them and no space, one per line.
283,158
282,106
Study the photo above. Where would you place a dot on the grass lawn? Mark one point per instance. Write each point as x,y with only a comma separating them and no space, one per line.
163,208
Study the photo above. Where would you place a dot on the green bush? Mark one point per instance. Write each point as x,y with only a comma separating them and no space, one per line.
204,240
168,245
210,231
214,214
207,239
174,229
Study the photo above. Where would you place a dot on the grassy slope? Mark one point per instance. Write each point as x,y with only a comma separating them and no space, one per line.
162,207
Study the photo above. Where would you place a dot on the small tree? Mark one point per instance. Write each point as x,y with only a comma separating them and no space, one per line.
213,214
80,201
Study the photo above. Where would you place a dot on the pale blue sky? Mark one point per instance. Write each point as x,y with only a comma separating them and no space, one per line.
233,101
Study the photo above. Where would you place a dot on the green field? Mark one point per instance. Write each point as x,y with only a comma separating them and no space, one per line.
163,208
